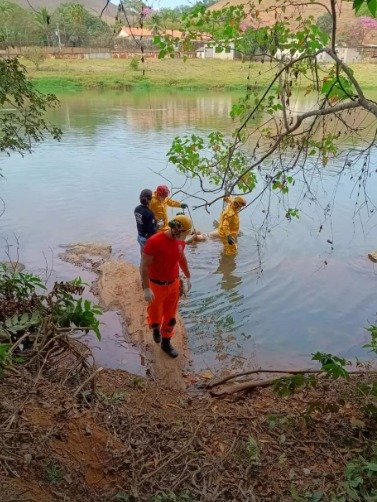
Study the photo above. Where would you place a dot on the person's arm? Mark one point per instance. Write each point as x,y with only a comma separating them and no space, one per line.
173,203
191,239
146,261
150,223
184,266
225,227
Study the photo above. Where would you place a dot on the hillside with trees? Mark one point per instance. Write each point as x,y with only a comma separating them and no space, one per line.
351,28
94,7
65,24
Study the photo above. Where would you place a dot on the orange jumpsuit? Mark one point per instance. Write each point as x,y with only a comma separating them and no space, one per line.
163,281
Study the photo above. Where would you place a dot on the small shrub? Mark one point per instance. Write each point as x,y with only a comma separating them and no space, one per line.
35,54
361,479
54,474
134,64
253,451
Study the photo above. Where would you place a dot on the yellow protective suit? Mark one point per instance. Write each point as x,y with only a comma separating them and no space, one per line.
229,224
160,209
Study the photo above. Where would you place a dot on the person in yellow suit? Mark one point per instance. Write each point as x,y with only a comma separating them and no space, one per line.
229,224
159,206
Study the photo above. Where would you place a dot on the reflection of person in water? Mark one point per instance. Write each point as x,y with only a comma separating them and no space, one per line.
227,266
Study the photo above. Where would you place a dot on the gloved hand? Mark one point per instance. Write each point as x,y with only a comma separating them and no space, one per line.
148,295
188,284
231,240
184,206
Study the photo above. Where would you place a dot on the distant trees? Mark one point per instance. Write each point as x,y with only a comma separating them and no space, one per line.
70,25
16,24
77,27
356,33
23,120
324,22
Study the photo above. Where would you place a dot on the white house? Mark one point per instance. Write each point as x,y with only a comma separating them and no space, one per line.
207,51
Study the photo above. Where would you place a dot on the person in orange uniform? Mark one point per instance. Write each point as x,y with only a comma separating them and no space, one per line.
159,206
229,224
161,260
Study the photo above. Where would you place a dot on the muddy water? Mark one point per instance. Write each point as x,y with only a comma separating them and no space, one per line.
306,297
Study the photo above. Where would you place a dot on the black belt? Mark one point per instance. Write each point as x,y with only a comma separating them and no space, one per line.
162,283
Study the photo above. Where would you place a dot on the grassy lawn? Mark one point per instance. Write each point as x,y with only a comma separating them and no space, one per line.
71,75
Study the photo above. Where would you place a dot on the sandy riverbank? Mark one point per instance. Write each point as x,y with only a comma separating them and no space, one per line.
119,288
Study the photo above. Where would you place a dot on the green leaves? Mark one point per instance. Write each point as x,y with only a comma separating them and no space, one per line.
337,88
253,451
214,158
19,322
292,213
25,310
218,29
371,5
281,182
82,314
372,345
4,355
22,110
18,285
286,386
334,366
325,147
361,479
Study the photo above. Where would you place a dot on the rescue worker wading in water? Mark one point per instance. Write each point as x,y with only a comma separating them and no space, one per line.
161,260
229,224
159,206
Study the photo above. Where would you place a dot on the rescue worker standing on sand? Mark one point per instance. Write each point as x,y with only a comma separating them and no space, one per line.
229,224
161,260
159,206
145,219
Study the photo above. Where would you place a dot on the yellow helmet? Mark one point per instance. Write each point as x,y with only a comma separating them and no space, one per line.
239,200
182,221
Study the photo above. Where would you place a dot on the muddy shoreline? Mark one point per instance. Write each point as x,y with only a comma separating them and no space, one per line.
118,287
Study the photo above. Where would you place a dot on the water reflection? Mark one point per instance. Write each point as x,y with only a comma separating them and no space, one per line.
227,265
145,111
115,144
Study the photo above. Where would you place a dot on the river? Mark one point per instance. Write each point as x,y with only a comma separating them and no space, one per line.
305,297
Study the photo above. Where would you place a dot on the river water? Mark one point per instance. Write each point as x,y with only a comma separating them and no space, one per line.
273,304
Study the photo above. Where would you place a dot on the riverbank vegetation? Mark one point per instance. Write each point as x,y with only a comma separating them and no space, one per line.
275,146
70,429
59,75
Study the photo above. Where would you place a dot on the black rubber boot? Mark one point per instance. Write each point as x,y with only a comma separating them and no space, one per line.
168,348
156,334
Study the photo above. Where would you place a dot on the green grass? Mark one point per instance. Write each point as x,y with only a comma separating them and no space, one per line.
194,74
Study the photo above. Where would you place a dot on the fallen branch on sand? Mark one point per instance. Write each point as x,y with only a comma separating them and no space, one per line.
250,384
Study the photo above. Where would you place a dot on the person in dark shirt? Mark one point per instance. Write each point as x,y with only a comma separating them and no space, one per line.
145,219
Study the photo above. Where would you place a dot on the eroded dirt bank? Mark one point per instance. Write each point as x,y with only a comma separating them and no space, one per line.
135,441
119,288
127,438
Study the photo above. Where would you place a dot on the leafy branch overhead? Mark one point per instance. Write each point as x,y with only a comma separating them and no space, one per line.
22,110
274,139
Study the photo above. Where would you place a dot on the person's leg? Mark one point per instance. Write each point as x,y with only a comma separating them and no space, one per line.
141,241
169,318
229,249
155,311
